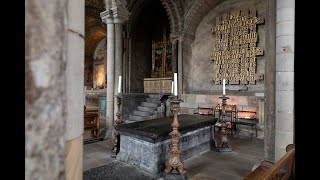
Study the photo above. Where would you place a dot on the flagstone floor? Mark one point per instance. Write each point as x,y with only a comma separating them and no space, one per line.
207,165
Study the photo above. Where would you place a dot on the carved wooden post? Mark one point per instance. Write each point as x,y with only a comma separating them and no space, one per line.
174,162
115,134
223,141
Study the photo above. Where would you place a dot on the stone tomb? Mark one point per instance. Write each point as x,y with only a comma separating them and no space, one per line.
146,144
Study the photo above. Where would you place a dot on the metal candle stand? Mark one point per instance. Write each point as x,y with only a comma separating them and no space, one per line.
115,134
174,163
223,141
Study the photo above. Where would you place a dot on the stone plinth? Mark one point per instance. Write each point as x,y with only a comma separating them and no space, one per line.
145,144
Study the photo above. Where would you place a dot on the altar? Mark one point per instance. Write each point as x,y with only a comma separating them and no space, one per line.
146,144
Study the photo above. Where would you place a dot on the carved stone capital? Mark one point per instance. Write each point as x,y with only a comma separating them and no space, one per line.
107,16
120,14
174,37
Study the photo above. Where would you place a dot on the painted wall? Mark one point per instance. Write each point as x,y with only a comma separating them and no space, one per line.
100,58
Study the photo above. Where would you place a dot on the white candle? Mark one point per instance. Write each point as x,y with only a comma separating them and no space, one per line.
119,85
175,80
224,87
171,87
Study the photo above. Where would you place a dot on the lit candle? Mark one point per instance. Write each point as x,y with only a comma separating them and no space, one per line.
171,87
224,87
175,80
119,85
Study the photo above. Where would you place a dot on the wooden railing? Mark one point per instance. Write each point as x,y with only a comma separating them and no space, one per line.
282,169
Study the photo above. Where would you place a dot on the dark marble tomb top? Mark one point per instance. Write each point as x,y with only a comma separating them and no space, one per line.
157,130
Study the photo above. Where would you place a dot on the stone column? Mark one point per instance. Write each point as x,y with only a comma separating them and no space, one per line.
45,85
107,18
75,83
270,65
180,70
284,134
118,59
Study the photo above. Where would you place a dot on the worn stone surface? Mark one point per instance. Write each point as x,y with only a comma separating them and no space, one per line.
270,104
157,130
206,165
284,124
45,93
113,170
130,102
151,157
74,73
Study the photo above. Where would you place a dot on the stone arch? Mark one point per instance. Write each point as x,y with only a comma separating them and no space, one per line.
173,8
91,42
199,9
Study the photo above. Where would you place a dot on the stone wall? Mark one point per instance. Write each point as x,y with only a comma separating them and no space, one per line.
192,101
284,125
45,88
197,66
141,53
244,103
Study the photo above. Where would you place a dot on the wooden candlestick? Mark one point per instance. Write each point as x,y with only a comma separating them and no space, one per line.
174,163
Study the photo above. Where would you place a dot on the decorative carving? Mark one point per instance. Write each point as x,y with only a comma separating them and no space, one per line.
234,53
223,142
115,134
155,85
174,163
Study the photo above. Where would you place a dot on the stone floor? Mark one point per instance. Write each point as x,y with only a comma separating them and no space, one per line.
207,165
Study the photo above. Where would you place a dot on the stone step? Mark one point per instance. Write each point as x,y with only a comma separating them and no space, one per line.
129,121
152,100
136,118
142,113
149,104
148,109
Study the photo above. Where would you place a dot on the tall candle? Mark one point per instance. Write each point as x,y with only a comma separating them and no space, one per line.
172,87
175,84
119,85
224,87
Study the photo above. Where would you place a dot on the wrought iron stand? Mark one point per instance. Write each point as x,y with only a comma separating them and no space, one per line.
223,144
115,134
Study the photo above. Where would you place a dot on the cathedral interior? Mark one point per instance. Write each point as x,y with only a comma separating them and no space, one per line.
159,89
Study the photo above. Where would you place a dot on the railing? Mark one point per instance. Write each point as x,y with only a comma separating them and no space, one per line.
282,169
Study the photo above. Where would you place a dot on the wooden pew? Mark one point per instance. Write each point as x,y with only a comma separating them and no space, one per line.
91,122
282,169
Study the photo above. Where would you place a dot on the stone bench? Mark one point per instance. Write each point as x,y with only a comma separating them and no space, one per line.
146,144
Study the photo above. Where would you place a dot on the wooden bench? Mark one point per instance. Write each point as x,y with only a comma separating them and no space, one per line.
282,169
91,122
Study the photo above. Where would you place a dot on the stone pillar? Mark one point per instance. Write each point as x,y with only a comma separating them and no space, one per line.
270,64
107,17
45,88
118,59
75,83
180,70
261,113
284,133
116,13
